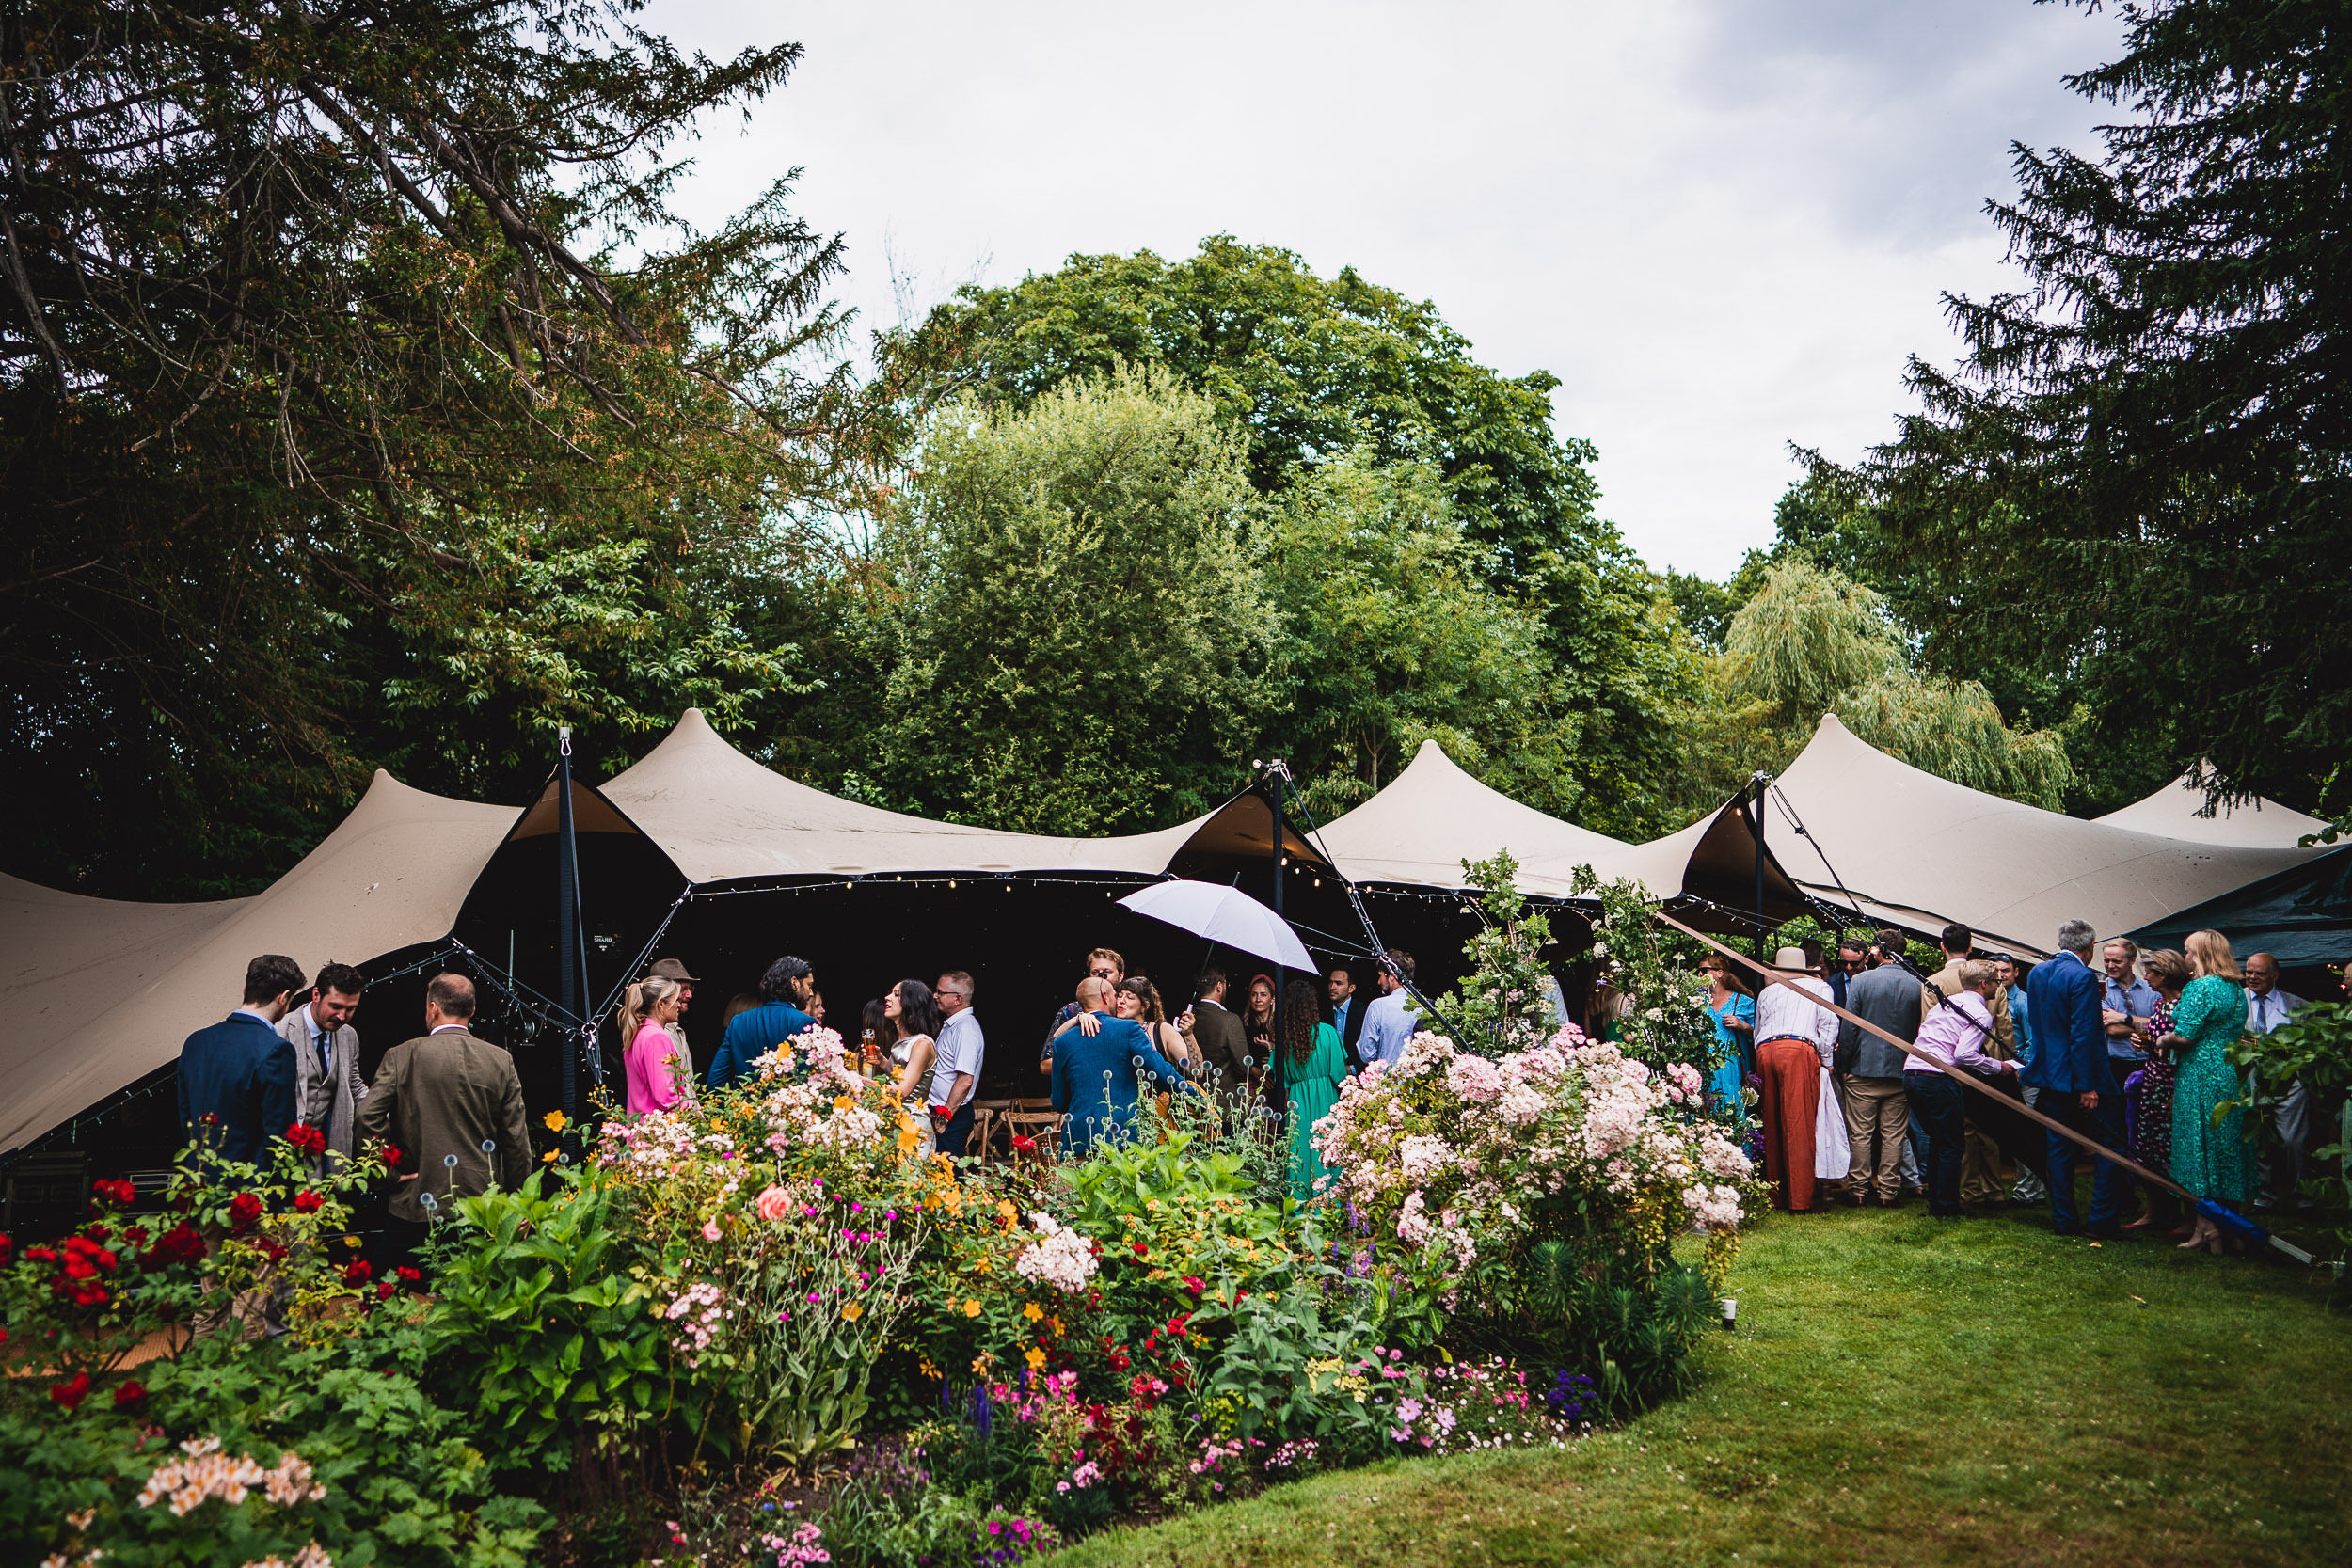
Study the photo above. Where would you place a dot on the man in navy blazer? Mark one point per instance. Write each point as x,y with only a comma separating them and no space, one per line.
1094,1080
237,1076
2076,1077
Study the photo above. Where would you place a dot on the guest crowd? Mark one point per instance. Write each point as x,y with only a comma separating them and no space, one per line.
451,1104
1858,1066
2129,1050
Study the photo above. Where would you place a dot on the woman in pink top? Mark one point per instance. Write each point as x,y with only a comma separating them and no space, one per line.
654,1073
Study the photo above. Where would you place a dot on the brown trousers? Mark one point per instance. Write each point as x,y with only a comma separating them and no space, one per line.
1788,1076
1878,1112
1980,1168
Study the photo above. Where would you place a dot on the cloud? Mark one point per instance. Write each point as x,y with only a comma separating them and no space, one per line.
1722,223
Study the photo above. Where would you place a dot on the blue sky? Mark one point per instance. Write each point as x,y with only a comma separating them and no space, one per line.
1722,223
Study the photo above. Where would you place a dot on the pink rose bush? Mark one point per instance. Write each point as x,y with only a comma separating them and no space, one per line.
1455,1164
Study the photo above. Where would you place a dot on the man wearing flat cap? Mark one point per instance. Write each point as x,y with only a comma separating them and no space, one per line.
671,969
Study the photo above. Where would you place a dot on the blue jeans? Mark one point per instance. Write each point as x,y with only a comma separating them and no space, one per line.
2104,1126
1937,1109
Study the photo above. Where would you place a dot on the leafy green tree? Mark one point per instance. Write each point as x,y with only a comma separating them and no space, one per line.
331,418
1812,642
1316,371
1069,636
2142,471
1391,637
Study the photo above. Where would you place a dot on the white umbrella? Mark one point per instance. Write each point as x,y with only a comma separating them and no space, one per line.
1225,916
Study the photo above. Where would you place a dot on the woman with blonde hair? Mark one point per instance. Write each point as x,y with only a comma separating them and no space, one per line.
656,1073
2210,1161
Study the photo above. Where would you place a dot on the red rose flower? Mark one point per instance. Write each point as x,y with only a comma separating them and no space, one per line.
358,1272
383,1292
130,1393
7,1248
180,1245
307,1139
392,1157
243,1210
406,1275
1141,1249
71,1394
115,1191
307,1203
1023,1143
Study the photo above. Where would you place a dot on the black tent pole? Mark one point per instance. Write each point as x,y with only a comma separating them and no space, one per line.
567,935
1274,1075
1756,826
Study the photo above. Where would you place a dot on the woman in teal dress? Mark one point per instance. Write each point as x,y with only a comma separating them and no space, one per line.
1314,1066
2212,1161
1734,1012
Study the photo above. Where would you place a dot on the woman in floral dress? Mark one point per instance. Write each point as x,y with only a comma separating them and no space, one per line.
2168,971
2212,1161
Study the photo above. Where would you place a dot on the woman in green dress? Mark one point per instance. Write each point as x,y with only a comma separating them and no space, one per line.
2212,1161
1313,1067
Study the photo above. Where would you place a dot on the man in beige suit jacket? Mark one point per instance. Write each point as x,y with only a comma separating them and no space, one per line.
327,1087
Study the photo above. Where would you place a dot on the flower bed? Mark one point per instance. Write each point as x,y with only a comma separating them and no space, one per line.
764,1308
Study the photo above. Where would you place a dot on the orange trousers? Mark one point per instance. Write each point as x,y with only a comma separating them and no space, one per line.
1788,1074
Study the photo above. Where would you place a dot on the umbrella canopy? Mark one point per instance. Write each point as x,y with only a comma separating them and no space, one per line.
1225,916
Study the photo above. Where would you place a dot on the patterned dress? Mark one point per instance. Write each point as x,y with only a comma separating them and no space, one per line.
2213,1162
2152,1135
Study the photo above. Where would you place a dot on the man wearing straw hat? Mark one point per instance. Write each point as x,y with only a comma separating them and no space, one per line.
1795,1040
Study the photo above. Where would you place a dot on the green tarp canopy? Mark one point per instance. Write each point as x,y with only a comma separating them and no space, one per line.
2302,915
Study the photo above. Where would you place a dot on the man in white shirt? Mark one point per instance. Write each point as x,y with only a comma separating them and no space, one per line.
2266,1007
1796,1038
1389,1021
961,1047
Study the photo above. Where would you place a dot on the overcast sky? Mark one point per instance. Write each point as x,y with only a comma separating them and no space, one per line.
1722,223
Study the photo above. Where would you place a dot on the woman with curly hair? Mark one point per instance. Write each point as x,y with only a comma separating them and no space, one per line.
1314,1066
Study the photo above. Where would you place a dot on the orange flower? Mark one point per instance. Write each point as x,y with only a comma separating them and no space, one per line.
853,1312
971,1307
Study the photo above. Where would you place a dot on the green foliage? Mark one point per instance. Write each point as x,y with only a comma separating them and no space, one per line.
1501,1005
2314,1048
2138,474
1813,642
337,433
1319,375
1656,972
1636,1330
1069,628
547,1335
1393,636
1309,369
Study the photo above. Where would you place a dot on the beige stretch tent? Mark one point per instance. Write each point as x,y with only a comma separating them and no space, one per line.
723,818
2178,811
1920,851
101,992
1431,818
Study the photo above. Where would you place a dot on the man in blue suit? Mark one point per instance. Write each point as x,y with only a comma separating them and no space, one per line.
237,1076
788,986
2072,1068
1094,1079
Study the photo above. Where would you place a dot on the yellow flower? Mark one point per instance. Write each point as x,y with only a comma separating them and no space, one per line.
971,1307
1033,1311
1035,1358
550,1157
555,1121
853,1312
1005,1212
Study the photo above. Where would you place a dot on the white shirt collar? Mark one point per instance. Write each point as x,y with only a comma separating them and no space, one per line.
447,1027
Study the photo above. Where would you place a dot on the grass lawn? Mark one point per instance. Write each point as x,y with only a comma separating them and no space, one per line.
1899,1391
